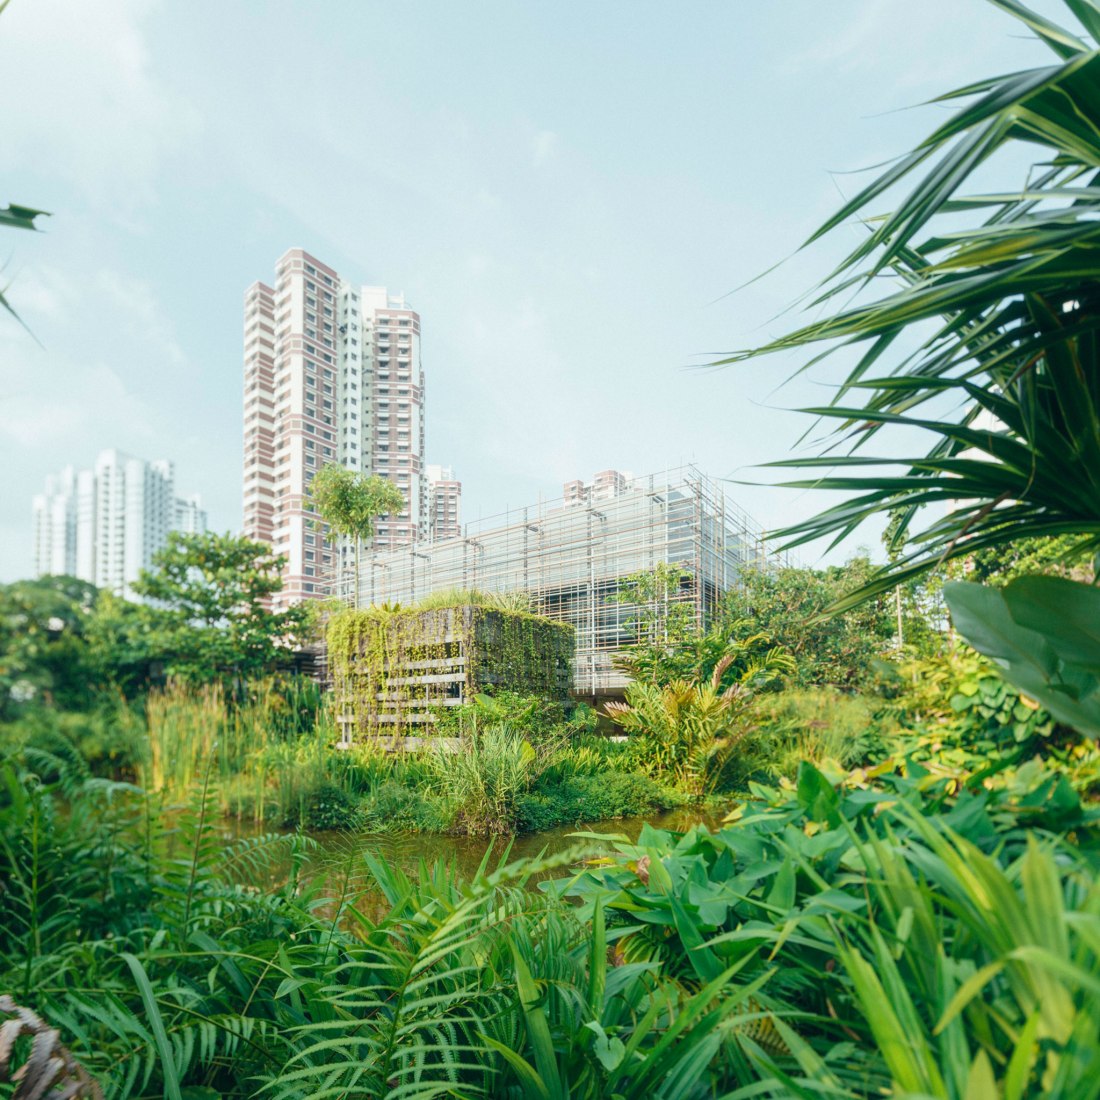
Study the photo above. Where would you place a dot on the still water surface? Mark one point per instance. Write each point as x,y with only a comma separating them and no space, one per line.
338,853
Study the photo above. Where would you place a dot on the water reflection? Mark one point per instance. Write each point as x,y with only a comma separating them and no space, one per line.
336,862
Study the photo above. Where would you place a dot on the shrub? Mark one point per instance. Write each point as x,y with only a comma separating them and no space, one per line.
536,718
327,807
815,724
483,777
393,807
593,797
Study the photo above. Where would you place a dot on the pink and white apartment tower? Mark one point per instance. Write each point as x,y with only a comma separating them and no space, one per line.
332,373
445,507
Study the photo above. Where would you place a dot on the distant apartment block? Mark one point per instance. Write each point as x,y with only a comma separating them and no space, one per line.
332,373
104,525
189,515
445,503
606,485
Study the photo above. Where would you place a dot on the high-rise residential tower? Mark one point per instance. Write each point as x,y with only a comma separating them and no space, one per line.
445,503
606,485
332,373
105,524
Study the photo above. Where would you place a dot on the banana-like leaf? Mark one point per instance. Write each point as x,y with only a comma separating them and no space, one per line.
1042,632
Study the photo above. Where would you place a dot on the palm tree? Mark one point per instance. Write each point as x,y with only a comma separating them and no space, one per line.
350,502
1005,314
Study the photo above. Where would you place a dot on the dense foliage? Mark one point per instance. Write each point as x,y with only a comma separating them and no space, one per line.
210,618
45,655
67,645
859,939
989,339
791,603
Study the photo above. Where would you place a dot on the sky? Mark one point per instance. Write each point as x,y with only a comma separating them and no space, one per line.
569,193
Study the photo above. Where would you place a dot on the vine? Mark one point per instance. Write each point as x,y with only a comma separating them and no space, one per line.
392,667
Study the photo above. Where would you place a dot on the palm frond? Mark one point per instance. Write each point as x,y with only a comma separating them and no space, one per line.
1005,374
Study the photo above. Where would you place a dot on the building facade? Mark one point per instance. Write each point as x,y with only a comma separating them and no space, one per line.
332,373
444,503
606,485
104,525
190,518
572,558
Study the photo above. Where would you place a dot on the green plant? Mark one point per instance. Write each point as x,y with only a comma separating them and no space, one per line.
45,658
209,617
328,807
1002,313
168,973
976,975
789,604
592,797
816,724
688,732
17,217
1042,633
485,774
349,502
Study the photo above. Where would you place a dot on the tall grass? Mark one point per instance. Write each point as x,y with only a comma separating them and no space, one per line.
483,777
185,725
268,755
821,725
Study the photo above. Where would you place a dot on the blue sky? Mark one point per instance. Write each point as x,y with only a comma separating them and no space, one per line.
566,192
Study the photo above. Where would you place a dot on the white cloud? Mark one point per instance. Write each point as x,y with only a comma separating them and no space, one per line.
70,413
83,104
141,314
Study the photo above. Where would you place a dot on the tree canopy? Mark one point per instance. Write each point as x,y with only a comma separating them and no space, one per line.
349,502
210,616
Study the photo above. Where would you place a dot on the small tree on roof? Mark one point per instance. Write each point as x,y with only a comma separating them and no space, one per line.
349,502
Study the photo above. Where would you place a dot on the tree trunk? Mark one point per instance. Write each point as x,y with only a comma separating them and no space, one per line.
355,594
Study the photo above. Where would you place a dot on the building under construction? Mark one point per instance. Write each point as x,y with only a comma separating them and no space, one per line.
572,556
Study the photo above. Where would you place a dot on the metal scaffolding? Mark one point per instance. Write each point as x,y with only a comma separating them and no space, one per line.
572,559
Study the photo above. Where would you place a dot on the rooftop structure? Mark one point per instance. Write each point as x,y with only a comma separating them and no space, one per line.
573,558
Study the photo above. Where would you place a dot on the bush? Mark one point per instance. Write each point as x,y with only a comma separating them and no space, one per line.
327,807
111,740
593,797
393,807
482,778
815,724
536,718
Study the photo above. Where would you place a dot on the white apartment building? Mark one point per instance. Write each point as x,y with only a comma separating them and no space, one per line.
104,525
606,485
332,373
445,503
190,518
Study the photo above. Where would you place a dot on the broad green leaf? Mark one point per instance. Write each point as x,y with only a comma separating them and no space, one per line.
816,795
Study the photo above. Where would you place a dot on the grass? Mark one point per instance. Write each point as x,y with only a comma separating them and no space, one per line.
821,725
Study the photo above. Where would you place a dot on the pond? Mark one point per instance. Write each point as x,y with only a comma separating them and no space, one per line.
338,854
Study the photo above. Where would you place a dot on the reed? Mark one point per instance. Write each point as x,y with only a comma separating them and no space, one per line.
265,755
